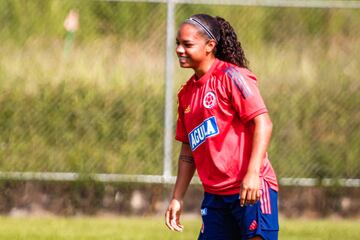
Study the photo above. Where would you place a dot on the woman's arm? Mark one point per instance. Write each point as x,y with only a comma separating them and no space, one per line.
186,169
249,191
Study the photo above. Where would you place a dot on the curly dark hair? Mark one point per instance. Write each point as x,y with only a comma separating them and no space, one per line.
228,47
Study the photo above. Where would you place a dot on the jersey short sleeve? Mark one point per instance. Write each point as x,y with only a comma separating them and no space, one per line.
245,95
180,127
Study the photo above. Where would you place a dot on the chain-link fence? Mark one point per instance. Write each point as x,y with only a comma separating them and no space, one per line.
82,85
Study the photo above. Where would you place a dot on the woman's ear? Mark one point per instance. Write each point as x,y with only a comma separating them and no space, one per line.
210,46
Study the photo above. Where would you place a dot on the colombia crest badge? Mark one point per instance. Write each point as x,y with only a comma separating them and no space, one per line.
209,100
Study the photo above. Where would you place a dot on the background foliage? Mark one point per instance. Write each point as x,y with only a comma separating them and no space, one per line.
99,106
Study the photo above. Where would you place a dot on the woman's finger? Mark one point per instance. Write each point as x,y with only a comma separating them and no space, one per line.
258,194
175,223
168,220
243,193
249,196
254,196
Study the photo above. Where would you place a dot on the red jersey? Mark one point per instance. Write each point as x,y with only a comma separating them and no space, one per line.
214,114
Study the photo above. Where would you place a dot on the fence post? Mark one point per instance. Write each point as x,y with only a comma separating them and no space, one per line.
169,74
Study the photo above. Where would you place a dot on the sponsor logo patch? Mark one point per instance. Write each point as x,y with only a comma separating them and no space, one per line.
209,100
206,129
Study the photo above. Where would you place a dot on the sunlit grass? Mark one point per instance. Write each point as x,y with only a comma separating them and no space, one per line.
128,228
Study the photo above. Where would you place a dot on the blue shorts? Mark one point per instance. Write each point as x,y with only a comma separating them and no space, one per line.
224,219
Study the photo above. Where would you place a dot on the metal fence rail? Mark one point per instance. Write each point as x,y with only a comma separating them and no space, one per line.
109,178
99,99
259,3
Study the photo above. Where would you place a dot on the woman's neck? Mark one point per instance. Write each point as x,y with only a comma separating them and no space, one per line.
203,68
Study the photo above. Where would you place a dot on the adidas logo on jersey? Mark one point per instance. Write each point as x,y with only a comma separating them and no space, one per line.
187,109
253,226
206,129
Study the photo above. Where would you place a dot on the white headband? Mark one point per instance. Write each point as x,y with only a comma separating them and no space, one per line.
197,22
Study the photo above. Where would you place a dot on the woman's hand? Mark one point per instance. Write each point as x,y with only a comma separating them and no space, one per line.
186,169
250,186
250,189
172,215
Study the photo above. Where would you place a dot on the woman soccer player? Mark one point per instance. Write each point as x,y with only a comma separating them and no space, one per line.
225,130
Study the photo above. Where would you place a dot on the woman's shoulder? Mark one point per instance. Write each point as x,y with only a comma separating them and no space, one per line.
183,88
228,70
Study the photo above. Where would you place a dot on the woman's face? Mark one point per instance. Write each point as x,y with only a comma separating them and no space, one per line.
191,47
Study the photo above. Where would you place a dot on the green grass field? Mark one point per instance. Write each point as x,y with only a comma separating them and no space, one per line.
153,228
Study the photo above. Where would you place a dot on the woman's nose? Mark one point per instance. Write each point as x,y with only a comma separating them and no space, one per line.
179,49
